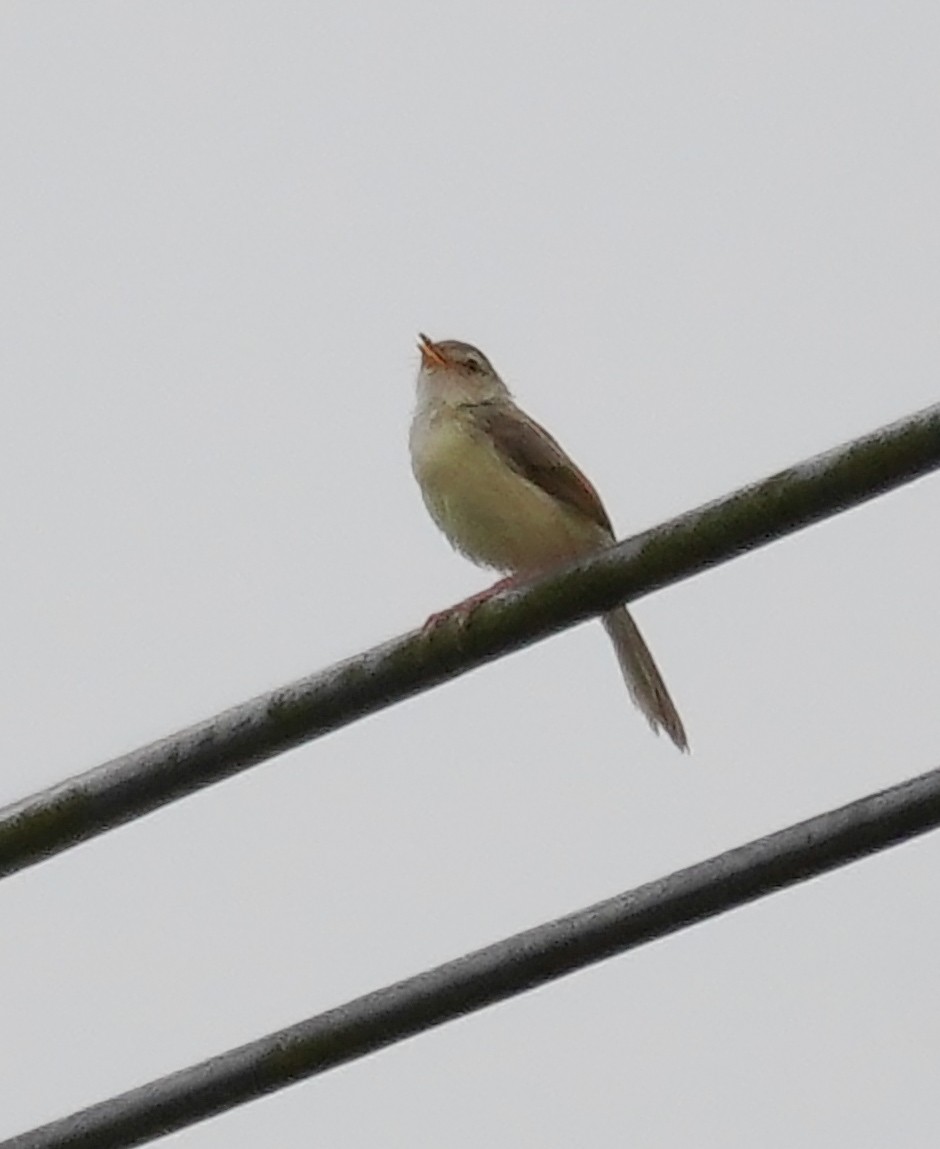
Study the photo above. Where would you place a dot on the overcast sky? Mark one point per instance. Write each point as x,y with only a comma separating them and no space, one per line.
700,241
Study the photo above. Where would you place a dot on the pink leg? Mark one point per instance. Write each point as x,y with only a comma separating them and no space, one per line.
461,612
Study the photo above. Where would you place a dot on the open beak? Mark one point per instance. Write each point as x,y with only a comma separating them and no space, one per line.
430,355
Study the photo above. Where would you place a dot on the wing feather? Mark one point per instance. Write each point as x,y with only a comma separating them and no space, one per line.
532,452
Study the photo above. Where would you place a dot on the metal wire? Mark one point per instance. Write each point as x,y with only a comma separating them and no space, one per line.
500,971
129,787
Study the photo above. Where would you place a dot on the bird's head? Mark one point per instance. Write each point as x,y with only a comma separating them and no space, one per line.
457,372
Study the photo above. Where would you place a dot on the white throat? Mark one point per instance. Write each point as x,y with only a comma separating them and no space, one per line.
436,389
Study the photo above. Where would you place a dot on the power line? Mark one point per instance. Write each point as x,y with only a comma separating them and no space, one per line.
131,786
499,971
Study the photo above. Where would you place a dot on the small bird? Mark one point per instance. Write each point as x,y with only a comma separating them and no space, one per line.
508,497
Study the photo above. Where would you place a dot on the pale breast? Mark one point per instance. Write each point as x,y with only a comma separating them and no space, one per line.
488,511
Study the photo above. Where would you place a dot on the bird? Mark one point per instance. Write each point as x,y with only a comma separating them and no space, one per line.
507,496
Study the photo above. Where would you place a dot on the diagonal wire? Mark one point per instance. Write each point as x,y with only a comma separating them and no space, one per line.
128,787
499,971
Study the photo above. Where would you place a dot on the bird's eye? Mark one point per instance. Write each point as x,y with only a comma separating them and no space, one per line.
474,366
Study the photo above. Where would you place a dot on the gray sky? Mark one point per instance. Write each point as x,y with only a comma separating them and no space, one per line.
701,242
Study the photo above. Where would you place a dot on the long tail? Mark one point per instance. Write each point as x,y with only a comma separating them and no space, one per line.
642,677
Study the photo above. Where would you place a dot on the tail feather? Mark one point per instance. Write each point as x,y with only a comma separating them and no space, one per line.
642,676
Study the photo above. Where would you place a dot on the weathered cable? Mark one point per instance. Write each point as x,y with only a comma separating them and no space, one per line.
500,971
128,787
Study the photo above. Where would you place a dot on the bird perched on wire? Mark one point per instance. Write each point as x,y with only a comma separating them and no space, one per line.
508,497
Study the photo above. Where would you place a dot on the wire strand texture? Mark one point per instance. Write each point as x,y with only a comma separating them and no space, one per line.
129,787
499,971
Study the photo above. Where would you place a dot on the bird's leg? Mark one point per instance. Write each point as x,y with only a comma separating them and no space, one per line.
461,612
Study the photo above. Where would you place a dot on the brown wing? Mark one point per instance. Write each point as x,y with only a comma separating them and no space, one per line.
534,454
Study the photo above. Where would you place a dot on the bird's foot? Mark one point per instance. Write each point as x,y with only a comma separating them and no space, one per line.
461,613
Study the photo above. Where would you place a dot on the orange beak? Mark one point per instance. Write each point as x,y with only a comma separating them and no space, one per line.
431,356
